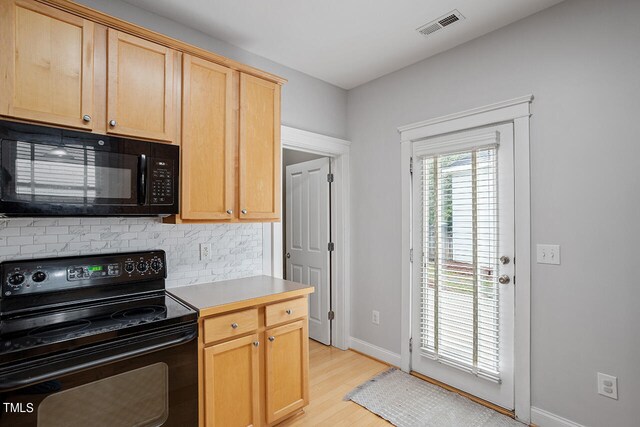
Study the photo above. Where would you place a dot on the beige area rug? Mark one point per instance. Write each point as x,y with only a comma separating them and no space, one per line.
407,401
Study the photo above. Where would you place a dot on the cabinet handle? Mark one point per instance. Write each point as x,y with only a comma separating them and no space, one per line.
112,123
234,325
272,339
86,118
289,311
244,211
256,343
229,211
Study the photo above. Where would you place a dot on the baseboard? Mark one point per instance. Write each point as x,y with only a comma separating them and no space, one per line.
542,418
375,351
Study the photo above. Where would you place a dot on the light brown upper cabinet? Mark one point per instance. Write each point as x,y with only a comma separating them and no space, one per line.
140,88
259,157
46,65
209,140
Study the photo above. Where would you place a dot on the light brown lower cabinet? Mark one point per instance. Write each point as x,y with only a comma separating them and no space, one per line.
233,383
255,373
287,355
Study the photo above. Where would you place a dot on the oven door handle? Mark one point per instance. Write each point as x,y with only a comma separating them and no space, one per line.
142,179
39,371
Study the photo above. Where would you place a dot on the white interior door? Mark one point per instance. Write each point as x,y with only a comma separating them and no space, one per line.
307,239
463,267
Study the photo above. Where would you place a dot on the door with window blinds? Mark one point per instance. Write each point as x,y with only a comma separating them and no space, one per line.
463,266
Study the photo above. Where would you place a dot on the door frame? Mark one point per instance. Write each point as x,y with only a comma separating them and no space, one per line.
338,151
518,112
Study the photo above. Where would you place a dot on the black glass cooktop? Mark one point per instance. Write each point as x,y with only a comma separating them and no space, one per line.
24,336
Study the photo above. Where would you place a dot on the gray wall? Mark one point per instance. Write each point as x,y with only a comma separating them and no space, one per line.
581,60
307,103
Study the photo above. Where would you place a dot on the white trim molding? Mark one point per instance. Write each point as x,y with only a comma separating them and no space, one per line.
516,111
543,418
377,352
311,142
338,150
489,114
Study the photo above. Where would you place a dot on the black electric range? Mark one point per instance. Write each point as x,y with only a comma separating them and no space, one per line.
68,322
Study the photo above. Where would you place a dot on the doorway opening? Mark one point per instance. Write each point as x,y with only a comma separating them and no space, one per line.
306,233
311,146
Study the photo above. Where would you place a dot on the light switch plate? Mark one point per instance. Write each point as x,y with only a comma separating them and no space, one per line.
548,254
608,385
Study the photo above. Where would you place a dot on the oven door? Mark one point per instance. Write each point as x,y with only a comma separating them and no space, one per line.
143,382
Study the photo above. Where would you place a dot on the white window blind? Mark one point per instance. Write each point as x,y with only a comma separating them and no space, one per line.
458,273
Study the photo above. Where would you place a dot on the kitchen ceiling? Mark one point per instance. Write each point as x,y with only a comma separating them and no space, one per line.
344,42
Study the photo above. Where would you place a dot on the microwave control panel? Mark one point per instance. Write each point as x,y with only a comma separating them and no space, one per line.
162,182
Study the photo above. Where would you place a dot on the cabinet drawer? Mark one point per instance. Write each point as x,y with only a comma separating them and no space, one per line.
230,325
285,311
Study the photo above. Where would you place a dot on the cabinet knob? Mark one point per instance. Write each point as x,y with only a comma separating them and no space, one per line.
272,339
256,343
244,211
289,311
234,325
112,123
229,211
86,118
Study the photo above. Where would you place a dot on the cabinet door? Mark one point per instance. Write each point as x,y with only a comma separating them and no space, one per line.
232,383
209,140
46,65
287,365
139,88
259,149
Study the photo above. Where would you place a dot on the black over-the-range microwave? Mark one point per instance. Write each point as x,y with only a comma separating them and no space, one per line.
54,172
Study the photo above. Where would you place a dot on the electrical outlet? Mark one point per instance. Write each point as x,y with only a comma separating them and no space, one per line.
205,251
608,385
375,317
548,254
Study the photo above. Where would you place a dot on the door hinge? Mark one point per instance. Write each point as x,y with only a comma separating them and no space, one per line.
411,165
332,247
329,177
411,255
514,280
332,315
410,345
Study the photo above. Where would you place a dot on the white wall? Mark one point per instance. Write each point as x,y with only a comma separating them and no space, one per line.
581,60
307,103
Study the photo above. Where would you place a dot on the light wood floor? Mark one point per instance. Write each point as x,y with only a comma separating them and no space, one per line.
332,374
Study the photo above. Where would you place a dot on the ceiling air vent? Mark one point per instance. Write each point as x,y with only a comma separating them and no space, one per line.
438,24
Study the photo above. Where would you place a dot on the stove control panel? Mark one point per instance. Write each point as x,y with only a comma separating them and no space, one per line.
57,274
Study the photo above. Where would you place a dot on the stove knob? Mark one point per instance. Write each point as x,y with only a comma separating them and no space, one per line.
38,276
16,279
129,267
156,265
142,266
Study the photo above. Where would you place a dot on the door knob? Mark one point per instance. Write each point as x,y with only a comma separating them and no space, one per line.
244,211
272,339
504,260
288,255
86,118
256,343
229,211
504,279
112,123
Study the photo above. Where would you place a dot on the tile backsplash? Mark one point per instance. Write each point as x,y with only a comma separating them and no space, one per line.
236,249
